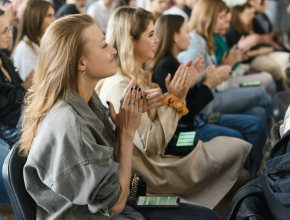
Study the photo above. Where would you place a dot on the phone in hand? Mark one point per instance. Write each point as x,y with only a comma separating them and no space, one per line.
158,202
249,84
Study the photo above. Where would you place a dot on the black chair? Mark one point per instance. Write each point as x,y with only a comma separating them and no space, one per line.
23,205
280,102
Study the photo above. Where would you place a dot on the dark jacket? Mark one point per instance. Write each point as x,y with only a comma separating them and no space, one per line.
67,9
262,24
197,97
11,94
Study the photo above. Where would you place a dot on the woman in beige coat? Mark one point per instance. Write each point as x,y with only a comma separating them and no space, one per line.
208,173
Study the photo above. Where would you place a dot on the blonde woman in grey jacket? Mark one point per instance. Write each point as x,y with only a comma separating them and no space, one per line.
78,167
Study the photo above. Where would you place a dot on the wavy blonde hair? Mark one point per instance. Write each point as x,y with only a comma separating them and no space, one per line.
56,75
203,18
124,24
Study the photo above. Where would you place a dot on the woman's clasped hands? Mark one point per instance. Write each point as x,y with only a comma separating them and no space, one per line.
133,103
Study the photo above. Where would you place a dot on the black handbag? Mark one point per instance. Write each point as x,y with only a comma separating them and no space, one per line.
137,186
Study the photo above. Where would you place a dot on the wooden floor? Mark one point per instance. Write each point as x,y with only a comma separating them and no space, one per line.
6,212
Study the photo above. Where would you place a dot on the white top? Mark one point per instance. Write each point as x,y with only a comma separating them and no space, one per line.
25,59
101,14
174,10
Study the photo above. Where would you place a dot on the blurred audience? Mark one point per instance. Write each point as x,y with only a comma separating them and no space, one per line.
12,92
37,16
235,56
71,7
12,89
101,11
207,16
261,55
174,38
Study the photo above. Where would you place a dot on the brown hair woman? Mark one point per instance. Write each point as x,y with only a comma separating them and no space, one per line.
37,16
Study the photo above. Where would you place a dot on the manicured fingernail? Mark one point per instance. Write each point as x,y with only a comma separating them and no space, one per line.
139,90
132,88
108,103
136,87
141,96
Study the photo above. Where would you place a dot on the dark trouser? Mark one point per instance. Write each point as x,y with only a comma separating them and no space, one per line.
184,212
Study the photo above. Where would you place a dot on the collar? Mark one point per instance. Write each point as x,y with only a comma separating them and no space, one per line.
93,112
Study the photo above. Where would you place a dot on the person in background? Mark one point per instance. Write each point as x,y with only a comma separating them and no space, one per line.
71,7
173,39
234,56
130,3
157,7
177,9
101,11
37,16
195,176
84,148
188,6
12,92
261,55
263,26
208,16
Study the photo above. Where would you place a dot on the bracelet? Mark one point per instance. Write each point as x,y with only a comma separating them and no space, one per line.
173,102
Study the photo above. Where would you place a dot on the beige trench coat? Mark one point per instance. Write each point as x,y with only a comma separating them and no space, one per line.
203,177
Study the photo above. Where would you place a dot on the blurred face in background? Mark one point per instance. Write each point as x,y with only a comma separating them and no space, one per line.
219,23
264,7
256,4
247,16
159,6
49,18
226,25
182,39
5,32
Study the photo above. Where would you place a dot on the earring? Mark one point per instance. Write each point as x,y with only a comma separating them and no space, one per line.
84,72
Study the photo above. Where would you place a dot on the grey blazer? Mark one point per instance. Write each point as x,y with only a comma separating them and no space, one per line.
71,171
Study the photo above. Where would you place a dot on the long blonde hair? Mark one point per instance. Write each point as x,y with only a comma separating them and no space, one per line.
203,18
56,75
125,23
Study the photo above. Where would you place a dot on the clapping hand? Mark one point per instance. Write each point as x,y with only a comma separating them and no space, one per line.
195,70
151,96
179,84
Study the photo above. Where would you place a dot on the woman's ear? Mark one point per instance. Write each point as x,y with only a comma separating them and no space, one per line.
82,64
133,41
175,38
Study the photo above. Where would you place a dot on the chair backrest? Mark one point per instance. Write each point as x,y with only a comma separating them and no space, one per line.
23,205
280,101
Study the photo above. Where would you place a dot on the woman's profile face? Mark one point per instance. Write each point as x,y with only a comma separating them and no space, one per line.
247,16
227,24
182,39
48,19
98,57
5,32
219,22
144,47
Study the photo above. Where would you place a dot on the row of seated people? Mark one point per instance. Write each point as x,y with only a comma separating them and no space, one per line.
214,164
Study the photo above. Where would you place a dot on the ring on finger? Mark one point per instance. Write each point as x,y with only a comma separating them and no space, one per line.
132,102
